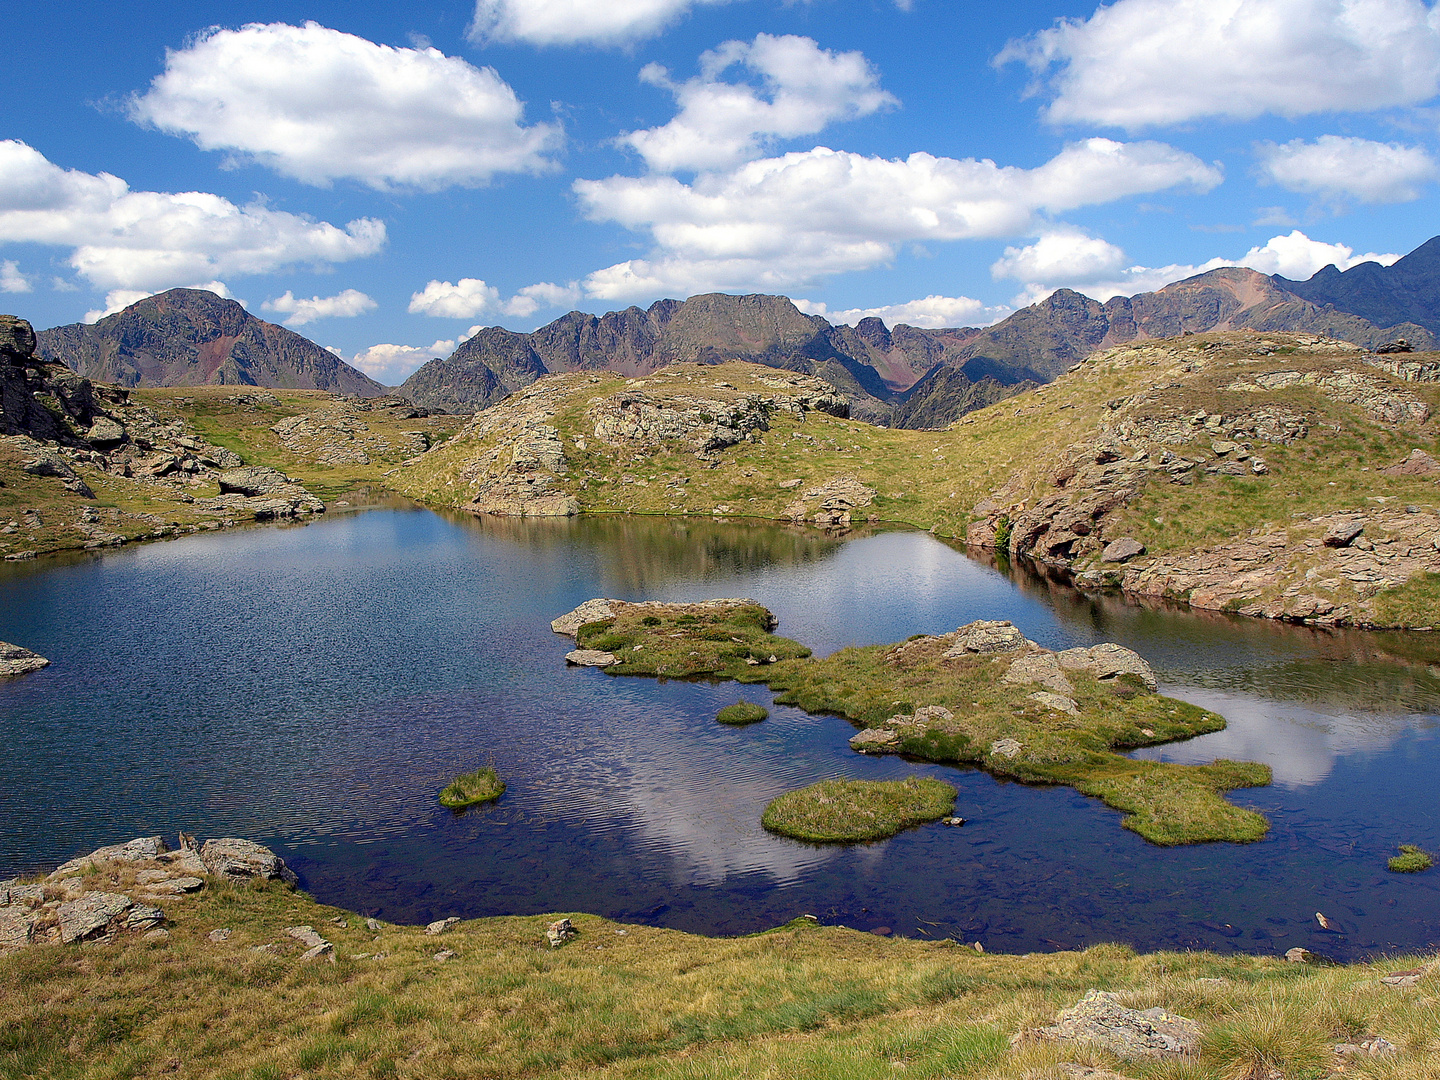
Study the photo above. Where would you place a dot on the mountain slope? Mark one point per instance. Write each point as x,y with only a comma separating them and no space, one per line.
190,337
1408,291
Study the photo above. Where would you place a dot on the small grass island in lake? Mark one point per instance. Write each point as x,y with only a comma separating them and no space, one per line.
851,810
982,695
1411,860
742,712
469,789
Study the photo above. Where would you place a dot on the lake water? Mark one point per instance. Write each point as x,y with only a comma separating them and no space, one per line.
313,687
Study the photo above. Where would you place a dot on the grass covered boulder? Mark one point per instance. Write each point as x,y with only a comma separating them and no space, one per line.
851,810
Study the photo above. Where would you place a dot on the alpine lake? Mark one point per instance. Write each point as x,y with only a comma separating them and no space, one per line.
313,687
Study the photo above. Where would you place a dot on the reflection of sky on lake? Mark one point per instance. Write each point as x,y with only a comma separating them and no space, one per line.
313,687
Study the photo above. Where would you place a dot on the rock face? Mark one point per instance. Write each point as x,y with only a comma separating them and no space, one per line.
17,661
1405,292
243,861
1100,1021
190,337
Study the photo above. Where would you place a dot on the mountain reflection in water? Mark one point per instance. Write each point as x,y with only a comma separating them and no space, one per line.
313,687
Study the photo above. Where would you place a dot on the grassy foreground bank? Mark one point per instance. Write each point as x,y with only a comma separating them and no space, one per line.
803,1001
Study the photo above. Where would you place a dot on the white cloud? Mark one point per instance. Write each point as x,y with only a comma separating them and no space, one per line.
11,280
1336,166
393,364
931,313
1064,254
319,105
117,300
1142,62
780,222
804,88
345,305
150,240
461,300
545,294
1293,256
570,22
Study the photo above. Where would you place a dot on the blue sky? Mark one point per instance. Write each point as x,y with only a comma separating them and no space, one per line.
383,178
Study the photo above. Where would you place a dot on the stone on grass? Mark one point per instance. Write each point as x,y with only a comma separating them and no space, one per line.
91,915
324,949
1041,668
439,926
242,861
141,849
144,917
1373,1047
1109,661
1419,463
875,741
1298,955
446,954
1343,533
220,936
559,932
1099,1020
986,636
1005,748
307,936
1058,702
588,612
17,927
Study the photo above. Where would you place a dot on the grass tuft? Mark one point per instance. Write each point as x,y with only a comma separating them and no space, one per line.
1411,860
742,712
851,810
468,789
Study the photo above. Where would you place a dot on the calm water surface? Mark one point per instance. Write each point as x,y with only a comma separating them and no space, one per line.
313,687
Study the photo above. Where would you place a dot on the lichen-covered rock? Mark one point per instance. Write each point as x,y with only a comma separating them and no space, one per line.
17,928
92,915
1100,1021
986,636
17,661
141,849
243,861
588,612
559,932
1109,661
17,340
591,658
876,741
1041,668
832,504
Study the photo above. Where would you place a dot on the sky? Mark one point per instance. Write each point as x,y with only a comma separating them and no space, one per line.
387,178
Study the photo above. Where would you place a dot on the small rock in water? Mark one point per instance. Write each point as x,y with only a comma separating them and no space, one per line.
591,658
559,932
1325,924
17,661
952,821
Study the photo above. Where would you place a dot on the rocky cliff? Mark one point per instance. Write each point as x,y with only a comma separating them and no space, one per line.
1408,291
190,337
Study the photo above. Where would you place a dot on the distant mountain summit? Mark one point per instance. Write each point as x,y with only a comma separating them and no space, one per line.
1408,291
190,337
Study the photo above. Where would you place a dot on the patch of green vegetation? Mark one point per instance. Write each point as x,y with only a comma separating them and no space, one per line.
742,712
468,789
1411,860
1166,803
853,810
1415,602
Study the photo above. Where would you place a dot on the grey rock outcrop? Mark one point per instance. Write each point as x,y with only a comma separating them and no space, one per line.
17,661
986,636
1100,1021
243,861
93,915
591,658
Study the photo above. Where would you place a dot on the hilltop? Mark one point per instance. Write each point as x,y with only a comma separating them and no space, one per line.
1228,459
190,337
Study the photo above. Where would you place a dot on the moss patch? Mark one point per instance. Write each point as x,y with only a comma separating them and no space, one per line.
742,712
468,789
849,810
1411,860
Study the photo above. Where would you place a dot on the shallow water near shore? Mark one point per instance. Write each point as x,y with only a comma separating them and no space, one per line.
314,687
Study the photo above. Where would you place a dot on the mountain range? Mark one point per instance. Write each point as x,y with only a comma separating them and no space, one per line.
903,376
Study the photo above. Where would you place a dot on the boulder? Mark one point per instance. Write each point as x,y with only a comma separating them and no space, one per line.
591,658
307,936
17,340
1042,669
144,917
441,925
252,480
1108,661
1122,550
105,432
17,661
1399,345
1419,463
1343,533
17,929
1058,702
559,932
1100,1021
244,860
875,741
141,849
986,636
590,611
1005,748
91,915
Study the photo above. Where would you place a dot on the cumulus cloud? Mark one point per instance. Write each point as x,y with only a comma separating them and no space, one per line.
571,22
780,222
464,299
1336,166
931,313
318,105
345,305
11,280
393,364
1293,256
471,297
150,240
803,89
1136,63
1068,255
